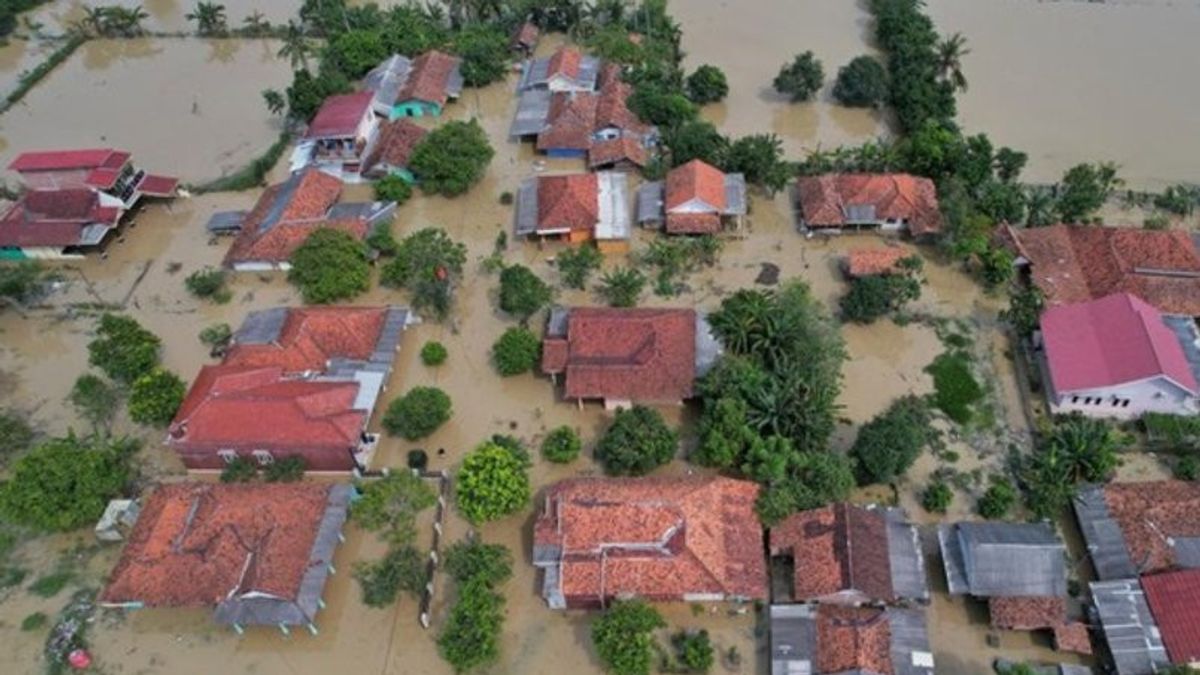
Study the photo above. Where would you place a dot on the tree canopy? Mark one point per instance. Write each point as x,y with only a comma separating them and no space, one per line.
877,295
390,505
800,79
624,637
418,413
516,351
122,349
156,397
484,51
428,263
522,293
65,483
492,483
862,83
451,158
707,85
330,265
637,442
889,444
1084,189
15,435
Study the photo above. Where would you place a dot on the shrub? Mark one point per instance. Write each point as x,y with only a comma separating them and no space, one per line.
403,568
707,85
15,435
418,413
624,637
286,470
521,292
390,506
451,158
216,335
517,351
122,349
417,459
329,266
862,83
888,445
434,353
208,283
392,188
577,264
490,563
239,470
427,264
877,295
156,397
51,584
637,442
65,483
492,483
22,280
562,445
801,78
694,649
622,286
35,621
95,400
1187,468
470,636
937,497
955,388
998,499
506,198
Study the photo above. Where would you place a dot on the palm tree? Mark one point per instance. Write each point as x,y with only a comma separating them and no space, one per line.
93,21
949,60
209,18
296,47
256,24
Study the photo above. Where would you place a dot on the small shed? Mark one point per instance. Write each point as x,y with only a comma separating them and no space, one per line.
225,222
118,519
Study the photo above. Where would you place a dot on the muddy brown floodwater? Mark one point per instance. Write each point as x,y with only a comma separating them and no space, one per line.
183,106
164,15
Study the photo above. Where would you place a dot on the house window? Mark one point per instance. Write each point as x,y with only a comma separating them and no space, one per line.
227,456
1125,403
264,457
1074,399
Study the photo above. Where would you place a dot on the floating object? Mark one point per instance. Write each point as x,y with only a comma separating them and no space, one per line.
79,659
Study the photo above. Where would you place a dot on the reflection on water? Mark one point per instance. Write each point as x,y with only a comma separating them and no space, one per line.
164,15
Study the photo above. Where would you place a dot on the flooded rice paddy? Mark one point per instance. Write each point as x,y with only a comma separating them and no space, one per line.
162,15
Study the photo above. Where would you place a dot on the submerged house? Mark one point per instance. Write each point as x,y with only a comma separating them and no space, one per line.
696,198
294,382
287,213
73,200
576,208
868,262
890,202
1139,528
259,554
627,356
661,539
339,135
566,70
1119,357
392,150
841,640
1077,263
419,87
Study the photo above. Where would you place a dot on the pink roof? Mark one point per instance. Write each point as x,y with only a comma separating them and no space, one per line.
63,160
1174,599
339,115
1115,340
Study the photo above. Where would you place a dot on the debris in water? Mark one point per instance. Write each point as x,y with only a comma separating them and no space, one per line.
768,274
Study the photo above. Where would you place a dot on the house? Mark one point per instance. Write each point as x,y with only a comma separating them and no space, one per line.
1077,263
1134,641
697,198
1119,357
420,87
662,539
839,640
1133,529
867,262
624,356
339,135
1174,600
524,39
259,554
889,202
566,70
294,382
72,200
288,212
851,555
392,150
1020,569
576,208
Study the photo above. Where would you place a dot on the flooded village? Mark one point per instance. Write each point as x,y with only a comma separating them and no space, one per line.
626,371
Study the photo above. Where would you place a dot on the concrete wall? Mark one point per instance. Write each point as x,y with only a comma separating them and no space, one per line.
1155,395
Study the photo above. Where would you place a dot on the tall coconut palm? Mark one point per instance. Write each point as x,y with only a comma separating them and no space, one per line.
256,24
209,18
296,47
949,60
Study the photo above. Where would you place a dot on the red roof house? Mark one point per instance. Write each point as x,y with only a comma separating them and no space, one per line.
576,208
662,539
433,80
838,640
102,169
598,125
1139,528
623,355
1075,263
696,199
258,553
393,148
1118,356
889,201
58,223
865,262
341,116
1174,600
341,133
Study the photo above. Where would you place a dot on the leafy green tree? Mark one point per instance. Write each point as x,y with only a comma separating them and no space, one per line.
418,413
210,18
998,499
996,266
1025,304
434,353
562,445
484,51
695,139
1009,163
490,563
576,264
492,483
295,46
801,78
122,349
1186,468
694,649
937,497
889,444
760,158
208,283
392,188
156,397
451,158
877,295
216,336
389,505
707,85
662,108
908,38
862,83
95,400
1084,189
65,483
20,281
522,293
637,442
15,435
239,470
955,388
427,264
307,92
331,265
812,480
725,433
621,286
517,351
355,52
470,636
949,61
624,637
402,569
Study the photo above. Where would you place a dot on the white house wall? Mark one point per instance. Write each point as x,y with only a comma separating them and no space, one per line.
1153,395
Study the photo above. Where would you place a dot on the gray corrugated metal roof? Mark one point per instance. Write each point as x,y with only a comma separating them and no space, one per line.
650,202
526,216
261,327
1102,534
911,654
1128,626
226,221
533,107
905,557
1004,559
556,325
793,640
283,197
454,81
387,78
534,73
952,560
708,347
735,194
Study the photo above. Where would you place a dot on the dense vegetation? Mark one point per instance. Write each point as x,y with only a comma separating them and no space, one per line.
517,351
623,637
493,482
65,483
330,265
862,83
522,293
888,445
470,638
561,445
451,158
637,442
428,264
155,397
122,349
877,295
800,79
418,413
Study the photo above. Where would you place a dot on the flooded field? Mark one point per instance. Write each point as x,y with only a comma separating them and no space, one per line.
163,15
1071,82
750,41
186,107
19,56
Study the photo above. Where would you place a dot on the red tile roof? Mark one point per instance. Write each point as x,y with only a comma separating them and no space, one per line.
612,109
312,336
286,214
853,639
570,122
54,218
340,115
1027,613
824,199
1174,600
1151,513
1073,263
429,78
646,355
864,262
657,538
611,151
195,544
248,408
66,160
837,548
526,35
395,144
158,186
564,61
695,198
568,202
1072,637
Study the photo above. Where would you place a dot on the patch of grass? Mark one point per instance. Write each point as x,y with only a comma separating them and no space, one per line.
956,390
35,621
49,585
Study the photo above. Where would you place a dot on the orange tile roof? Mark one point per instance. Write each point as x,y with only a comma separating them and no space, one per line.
1150,513
624,148
646,355
568,202
428,78
612,109
526,35
899,196
657,538
853,639
1027,613
837,548
1072,637
569,123
195,544
1074,263
564,61
696,180
864,262
312,336
395,144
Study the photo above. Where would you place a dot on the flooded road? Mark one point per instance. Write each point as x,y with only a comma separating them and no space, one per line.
186,107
